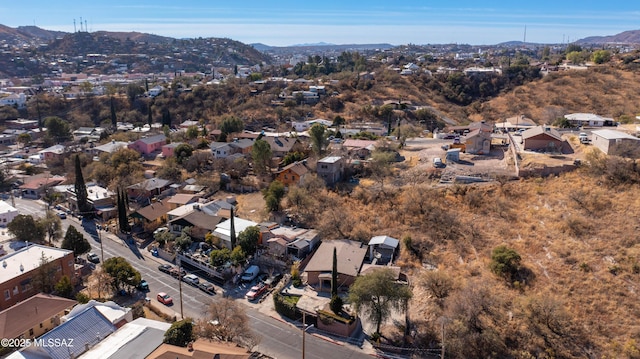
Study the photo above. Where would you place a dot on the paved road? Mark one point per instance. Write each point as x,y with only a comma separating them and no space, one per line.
277,339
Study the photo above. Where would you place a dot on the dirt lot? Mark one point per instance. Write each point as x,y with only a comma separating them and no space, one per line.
421,151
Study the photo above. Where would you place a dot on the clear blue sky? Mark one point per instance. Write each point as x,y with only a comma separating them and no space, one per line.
289,22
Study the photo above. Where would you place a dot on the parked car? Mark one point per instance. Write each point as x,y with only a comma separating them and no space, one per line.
256,291
207,287
93,258
165,268
143,286
178,273
62,215
160,230
191,279
437,163
164,298
250,273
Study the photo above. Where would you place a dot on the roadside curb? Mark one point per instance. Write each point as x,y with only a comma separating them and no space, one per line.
327,339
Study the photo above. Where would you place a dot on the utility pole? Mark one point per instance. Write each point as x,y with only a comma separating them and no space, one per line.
442,352
303,331
180,286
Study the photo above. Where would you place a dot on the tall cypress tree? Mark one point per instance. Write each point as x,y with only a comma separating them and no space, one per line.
232,231
150,116
81,189
114,119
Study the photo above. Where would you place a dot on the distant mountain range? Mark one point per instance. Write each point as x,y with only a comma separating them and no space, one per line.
627,37
321,46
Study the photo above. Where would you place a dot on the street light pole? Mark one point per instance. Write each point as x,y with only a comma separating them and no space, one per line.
303,331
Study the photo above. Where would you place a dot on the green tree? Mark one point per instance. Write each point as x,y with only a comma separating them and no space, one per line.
505,262
51,225
180,333
81,190
261,155
133,91
237,256
24,139
57,129
150,115
376,294
601,56
273,195
64,288
219,257
123,219
121,272
170,170
336,303
318,137
230,125
183,241
192,132
25,228
182,152
75,241
248,239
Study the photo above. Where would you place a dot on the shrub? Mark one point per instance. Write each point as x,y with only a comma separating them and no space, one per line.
505,262
286,305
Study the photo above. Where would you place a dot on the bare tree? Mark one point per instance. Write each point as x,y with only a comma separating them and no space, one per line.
227,320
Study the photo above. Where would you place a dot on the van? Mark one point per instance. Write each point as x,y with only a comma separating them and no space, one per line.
250,274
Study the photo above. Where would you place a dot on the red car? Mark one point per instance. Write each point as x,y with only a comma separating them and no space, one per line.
256,291
164,298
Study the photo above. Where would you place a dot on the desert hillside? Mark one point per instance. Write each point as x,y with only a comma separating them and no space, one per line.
576,292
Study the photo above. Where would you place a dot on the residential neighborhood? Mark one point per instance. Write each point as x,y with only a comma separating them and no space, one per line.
203,198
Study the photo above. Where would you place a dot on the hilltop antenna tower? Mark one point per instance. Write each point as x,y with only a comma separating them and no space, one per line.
80,23
74,25
524,41
86,28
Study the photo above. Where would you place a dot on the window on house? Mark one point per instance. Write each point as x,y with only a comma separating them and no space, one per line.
15,290
31,331
293,177
323,166
4,220
70,263
286,177
7,294
40,325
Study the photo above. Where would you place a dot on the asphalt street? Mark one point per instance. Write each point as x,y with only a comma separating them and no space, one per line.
277,338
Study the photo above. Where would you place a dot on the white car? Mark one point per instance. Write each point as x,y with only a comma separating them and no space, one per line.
191,279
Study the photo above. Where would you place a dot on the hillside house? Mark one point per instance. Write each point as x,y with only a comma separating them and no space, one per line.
109,147
35,188
360,148
147,145
330,169
588,120
613,142
143,191
280,146
292,174
167,150
382,249
53,153
478,140
542,138
350,255
515,123
223,229
152,216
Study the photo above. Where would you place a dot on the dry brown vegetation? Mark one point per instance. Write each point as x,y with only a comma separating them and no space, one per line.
576,234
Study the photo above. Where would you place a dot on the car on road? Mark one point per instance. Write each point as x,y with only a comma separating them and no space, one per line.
62,215
164,298
143,286
93,258
256,291
207,287
165,268
191,279
177,272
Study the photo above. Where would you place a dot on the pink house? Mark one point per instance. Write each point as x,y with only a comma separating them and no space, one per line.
167,150
148,145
